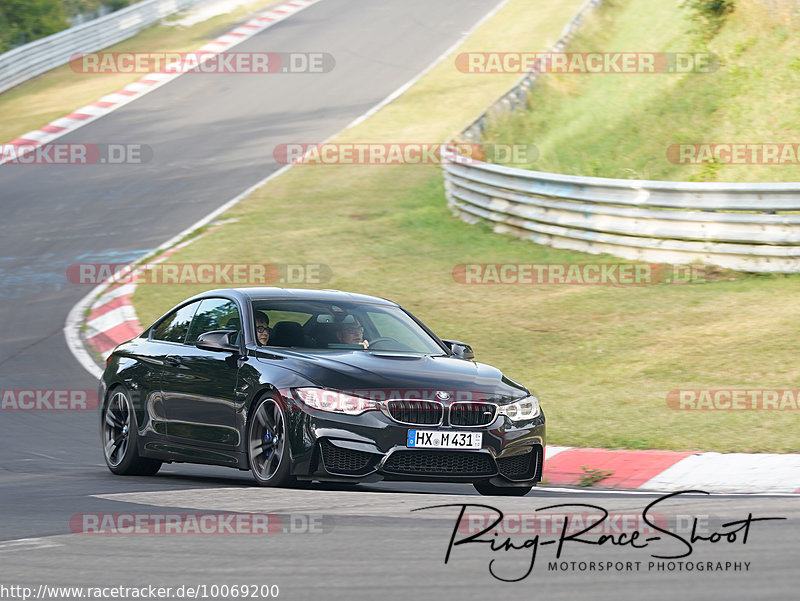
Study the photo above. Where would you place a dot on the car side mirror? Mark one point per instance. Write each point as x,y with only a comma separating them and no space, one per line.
218,340
460,350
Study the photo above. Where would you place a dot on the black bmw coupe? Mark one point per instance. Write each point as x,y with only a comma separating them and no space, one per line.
303,385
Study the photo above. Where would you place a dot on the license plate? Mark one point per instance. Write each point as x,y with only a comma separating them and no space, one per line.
433,439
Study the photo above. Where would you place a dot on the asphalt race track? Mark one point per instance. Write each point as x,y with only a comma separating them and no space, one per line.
212,137
368,543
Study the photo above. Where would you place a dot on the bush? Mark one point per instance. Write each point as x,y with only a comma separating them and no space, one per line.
73,8
23,21
708,15
6,34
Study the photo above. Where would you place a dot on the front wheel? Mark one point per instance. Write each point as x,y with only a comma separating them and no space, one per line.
119,437
485,488
268,445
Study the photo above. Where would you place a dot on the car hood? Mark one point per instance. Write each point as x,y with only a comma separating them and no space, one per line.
393,375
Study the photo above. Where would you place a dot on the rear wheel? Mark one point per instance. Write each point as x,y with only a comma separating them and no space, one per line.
268,445
120,436
485,488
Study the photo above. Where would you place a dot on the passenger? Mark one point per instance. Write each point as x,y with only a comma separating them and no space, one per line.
352,333
262,328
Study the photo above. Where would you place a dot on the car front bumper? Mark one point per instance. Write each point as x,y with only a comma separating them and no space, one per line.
372,447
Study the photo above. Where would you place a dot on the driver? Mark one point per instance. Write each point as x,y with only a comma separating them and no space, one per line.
262,328
352,333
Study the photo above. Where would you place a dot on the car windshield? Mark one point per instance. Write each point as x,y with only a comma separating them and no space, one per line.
340,325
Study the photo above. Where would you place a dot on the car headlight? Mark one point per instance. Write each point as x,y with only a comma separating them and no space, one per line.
526,408
334,401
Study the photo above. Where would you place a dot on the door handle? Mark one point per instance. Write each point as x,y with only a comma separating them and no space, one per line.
173,360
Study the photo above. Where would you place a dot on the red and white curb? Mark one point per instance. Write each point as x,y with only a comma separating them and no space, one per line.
152,81
112,319
674,470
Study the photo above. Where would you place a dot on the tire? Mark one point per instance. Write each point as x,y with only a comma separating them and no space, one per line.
119,435
485,488
268,445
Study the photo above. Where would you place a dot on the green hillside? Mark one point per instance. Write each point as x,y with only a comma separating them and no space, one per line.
620,125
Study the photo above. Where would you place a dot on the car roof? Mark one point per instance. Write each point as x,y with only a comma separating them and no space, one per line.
305,294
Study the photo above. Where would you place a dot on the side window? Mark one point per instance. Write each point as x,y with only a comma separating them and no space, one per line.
214,314
173,327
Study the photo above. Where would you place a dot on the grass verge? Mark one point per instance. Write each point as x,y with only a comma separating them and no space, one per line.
602,358
620,125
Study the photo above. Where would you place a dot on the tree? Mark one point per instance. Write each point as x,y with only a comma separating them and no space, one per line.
24,21
7,35
27,20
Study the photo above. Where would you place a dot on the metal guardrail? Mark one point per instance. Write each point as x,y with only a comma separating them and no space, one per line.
27,61
737,226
